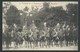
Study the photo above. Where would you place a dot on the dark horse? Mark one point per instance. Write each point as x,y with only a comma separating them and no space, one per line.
61,37
18,38
53,37
68,37
8,38
27,37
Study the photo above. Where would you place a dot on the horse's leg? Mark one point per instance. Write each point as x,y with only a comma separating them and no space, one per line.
56,42
25,43
41,44
67,42
30,44
44,43
70,41
10,44
7,44
16,44
52,43
38,44
61,42
35,43
20,44
48,43
75,42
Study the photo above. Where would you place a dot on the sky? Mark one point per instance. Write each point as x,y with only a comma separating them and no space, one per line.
21,5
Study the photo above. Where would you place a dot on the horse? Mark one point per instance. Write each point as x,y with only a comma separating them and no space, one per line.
28,39
8,38
41,38
61,37
68,36
17,38
75,35
53,34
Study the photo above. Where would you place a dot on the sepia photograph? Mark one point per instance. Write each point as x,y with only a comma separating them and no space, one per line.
40,25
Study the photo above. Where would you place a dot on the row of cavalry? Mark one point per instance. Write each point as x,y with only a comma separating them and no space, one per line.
47,37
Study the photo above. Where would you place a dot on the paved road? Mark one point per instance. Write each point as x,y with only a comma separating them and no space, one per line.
51,48
23,47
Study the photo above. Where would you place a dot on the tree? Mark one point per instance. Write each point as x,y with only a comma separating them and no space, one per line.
4,9
13,16
72,12
57,15
39,17
51,16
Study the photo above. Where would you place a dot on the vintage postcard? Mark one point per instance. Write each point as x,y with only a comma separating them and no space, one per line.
40,25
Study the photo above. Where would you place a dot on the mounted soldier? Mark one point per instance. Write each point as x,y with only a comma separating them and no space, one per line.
75,35
8,37
55,34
